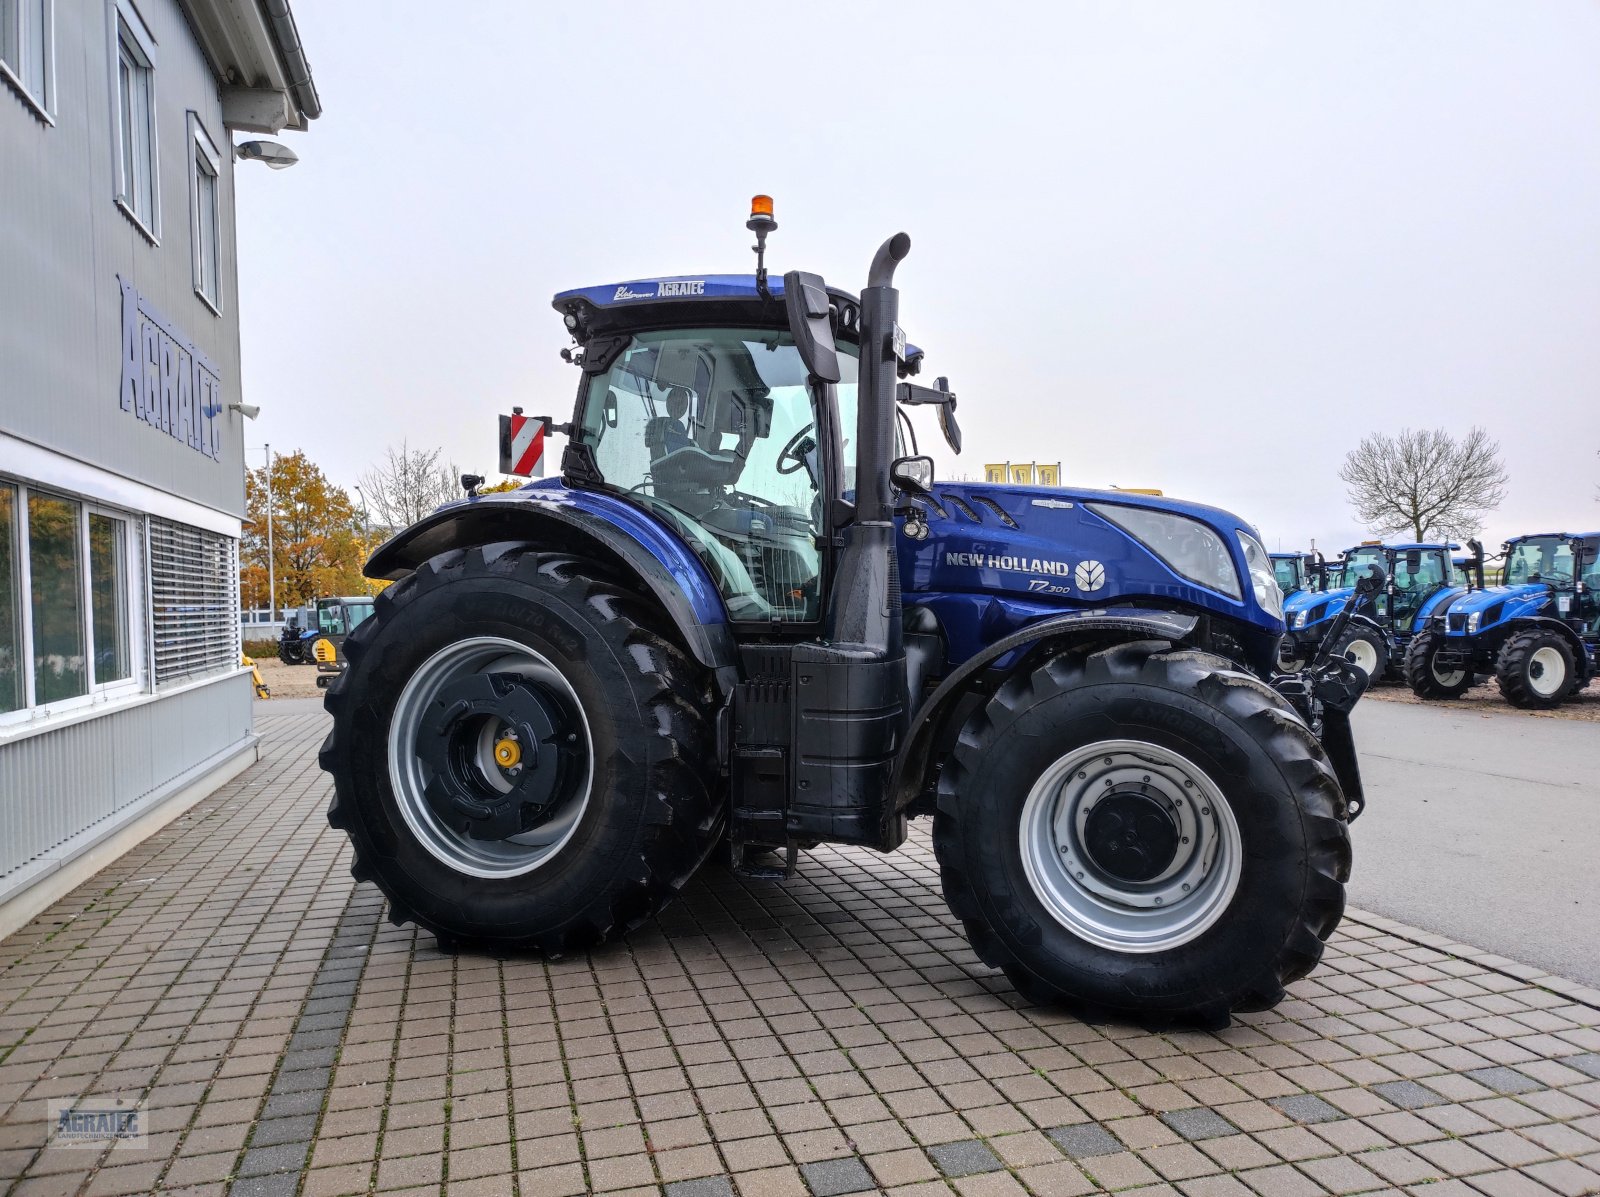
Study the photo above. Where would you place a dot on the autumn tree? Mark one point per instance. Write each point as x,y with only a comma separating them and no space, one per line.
1425,482
318,545
407,485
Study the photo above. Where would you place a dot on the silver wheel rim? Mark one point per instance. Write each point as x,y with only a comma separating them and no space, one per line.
1447,678
1362,654
1547,672
1173,908
409,775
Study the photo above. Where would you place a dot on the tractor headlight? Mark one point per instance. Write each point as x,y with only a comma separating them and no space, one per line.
1262,581
1186,546
1472,623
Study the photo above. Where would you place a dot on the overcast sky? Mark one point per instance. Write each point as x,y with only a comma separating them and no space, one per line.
1196,246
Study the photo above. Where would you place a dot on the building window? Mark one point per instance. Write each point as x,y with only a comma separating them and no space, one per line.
137,176
194,601
13,691
71,590
108,598
205,173
55,584
27,51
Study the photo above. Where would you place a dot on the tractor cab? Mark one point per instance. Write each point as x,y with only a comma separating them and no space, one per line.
1289,571
335,618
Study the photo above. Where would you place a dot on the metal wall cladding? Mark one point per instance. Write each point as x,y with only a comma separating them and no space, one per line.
58,784
64,242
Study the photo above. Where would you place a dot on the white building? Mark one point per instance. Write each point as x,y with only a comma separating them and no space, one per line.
121,434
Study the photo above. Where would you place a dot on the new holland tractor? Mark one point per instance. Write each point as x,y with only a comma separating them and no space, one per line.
745,621
1539,633
1416,581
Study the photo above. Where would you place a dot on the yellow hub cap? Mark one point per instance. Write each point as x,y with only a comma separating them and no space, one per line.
507,752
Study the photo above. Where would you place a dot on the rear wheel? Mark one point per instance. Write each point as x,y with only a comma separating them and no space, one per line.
1426,677
1365,649
1143,831
1535,669
519,759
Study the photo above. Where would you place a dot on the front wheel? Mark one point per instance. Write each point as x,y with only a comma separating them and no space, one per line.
1143,831
1365,649
1535,669
1426,676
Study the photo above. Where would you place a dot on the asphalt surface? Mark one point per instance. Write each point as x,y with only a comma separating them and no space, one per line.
1484,828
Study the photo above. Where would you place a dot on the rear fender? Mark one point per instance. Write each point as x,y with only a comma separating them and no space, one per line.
601,528
914,763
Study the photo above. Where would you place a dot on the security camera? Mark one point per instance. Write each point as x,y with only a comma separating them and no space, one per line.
248,410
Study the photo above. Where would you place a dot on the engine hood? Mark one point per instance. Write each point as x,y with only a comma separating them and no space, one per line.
1482,600
1058,545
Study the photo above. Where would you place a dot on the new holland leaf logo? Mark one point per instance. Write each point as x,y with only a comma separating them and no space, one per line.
1090,575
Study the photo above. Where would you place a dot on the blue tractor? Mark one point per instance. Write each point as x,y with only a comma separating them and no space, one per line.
747,620
1415,581
1538,633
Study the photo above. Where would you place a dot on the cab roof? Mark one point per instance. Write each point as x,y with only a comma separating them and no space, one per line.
1407,547
1585,536
730,298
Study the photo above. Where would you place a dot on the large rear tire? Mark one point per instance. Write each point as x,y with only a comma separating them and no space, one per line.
1535,670
1423,674
519,759
1145,832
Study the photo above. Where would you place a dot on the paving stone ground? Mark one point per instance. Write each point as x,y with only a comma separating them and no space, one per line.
830,1035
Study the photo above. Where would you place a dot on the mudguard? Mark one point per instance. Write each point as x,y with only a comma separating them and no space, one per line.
582,522
915,756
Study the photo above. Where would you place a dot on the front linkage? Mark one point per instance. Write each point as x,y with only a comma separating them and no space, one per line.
1326,690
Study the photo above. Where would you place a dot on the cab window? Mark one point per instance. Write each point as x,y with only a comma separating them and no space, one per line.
716,432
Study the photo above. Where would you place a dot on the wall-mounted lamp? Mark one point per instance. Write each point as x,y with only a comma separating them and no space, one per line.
248,410
274,154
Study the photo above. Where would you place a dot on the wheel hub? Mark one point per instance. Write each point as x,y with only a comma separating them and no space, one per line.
491,742
1131,836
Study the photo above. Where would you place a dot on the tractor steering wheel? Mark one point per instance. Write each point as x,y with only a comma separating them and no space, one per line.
793,452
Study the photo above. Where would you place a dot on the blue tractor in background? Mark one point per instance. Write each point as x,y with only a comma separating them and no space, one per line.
1417,580
1538,632
747,619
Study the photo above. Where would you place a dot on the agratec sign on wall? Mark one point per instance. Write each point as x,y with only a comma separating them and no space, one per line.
166,381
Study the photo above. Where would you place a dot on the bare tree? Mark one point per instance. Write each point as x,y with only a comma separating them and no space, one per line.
406,485
1425,481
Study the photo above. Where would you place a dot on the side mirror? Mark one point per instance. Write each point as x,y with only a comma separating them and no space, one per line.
912,474
805,296
939,393
1373,582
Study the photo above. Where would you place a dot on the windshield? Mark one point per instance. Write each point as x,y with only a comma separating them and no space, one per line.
1287,572
1542,559
1416,569
1358,561
714,430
